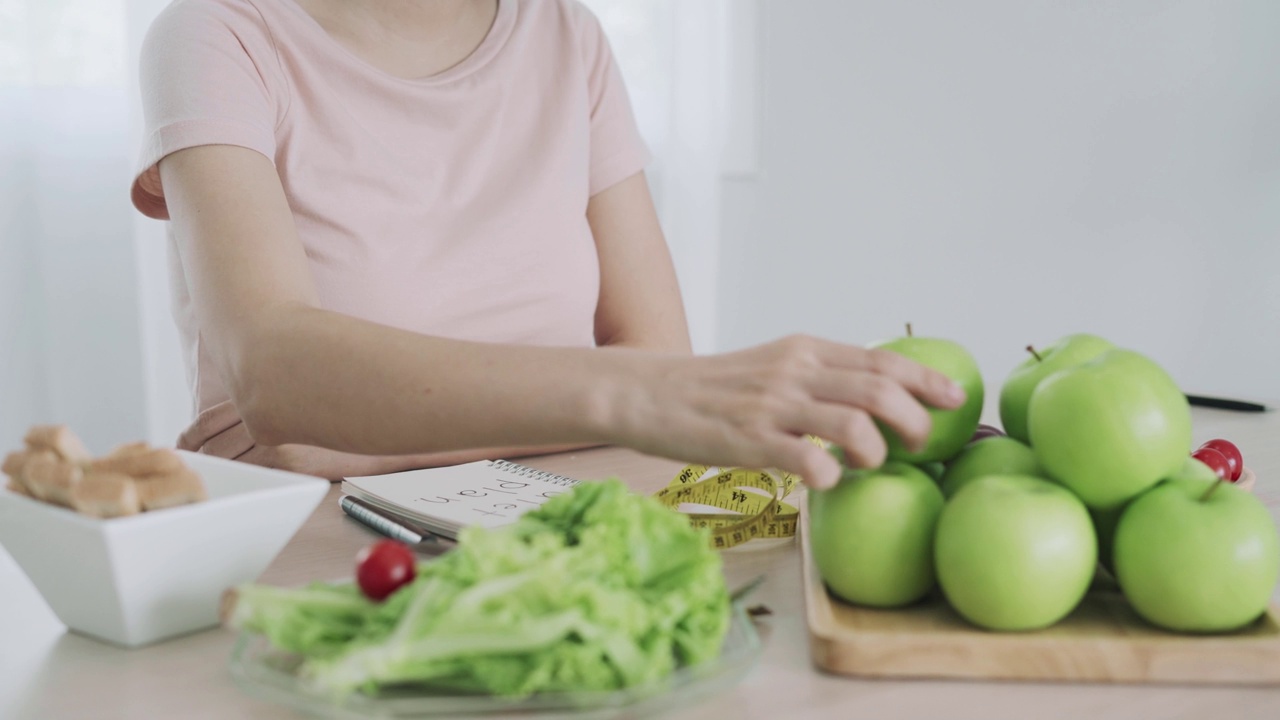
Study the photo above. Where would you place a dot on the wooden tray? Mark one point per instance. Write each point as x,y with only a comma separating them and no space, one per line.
1101,641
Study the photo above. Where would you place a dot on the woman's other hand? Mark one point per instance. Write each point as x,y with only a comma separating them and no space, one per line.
755,407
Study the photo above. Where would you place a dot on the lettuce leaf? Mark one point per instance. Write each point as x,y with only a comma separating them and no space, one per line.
598,589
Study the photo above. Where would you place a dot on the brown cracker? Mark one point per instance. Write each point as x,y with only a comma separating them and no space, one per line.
132,448
178,488
59,439
13,463
139,462
49,477
106,495
15,486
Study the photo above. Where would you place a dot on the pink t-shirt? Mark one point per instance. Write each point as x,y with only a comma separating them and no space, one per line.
453,205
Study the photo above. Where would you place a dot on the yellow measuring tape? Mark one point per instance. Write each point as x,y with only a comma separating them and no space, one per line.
752,515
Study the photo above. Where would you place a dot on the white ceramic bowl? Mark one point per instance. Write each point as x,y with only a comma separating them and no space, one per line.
143,578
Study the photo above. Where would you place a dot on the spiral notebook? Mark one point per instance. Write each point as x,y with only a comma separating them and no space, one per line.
488,493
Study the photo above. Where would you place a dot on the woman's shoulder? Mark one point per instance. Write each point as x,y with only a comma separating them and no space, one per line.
198,20
570,20
572,14
205,39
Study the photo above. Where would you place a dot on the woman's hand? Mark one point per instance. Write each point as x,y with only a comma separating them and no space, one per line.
754,407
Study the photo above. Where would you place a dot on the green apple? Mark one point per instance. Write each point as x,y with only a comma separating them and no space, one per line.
1014,552
934,470
1110,428
1104,527
1105,521
1015,394
989,456
872,534
951,428
1195,563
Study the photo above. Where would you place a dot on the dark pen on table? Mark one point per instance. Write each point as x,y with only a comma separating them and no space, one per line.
421,540
1226,404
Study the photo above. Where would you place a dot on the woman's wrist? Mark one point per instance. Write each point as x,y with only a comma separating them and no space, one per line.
619,404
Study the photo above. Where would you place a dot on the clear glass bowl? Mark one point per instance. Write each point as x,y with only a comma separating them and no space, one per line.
264,672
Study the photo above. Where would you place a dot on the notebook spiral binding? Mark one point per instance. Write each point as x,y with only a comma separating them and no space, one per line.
525,471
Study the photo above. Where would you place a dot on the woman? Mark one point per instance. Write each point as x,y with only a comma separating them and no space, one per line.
416,232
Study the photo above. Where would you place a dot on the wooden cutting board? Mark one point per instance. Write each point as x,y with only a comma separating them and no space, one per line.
1101,641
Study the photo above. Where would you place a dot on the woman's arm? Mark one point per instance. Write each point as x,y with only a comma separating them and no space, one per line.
640,304
639,307
300,374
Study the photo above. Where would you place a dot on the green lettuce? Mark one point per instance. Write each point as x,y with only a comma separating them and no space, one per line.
598,589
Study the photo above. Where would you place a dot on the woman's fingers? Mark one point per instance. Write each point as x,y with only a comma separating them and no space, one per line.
850,428
231,442
879,396
796,454
930,386
755,406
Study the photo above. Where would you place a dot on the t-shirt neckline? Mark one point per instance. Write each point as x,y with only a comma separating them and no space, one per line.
494,40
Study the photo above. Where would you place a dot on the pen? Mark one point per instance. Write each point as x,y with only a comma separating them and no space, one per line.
1226,404
381,522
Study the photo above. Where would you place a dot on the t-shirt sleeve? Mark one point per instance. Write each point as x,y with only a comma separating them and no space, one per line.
209,75
617,149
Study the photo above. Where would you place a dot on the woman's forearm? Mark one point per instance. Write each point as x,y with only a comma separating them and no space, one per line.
319,378
335,465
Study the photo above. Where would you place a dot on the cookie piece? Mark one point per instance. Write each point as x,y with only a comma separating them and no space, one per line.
139,461
51,478
171,489
106,495
13,463
15,486
59,439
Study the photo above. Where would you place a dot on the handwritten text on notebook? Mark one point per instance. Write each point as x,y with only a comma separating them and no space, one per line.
506,495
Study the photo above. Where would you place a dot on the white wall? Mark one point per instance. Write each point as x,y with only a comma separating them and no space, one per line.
674,60
74,346
71,296
1003,172
22,383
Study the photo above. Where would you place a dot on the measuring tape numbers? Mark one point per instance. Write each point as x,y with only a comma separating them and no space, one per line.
755,500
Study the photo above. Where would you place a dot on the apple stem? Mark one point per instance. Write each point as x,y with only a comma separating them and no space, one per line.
1212,487
1032,349
909,330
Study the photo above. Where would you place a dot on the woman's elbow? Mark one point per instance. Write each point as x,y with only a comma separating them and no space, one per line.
258,402
264,427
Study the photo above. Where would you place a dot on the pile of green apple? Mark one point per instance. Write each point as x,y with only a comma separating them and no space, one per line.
1093,467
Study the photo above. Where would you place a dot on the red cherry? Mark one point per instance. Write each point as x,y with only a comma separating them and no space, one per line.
384,567
1216,461
1232,453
